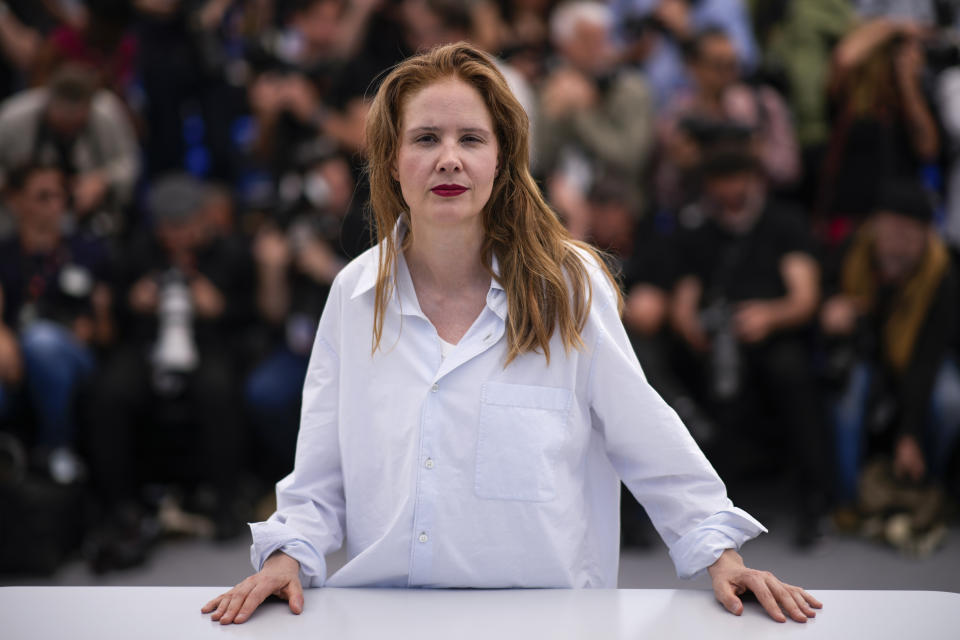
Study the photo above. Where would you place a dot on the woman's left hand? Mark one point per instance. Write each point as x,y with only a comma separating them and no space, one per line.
731,578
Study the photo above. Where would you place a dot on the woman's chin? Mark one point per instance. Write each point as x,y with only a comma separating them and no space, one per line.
450,214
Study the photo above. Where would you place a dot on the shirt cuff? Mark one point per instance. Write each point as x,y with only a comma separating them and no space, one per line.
270,536
701,546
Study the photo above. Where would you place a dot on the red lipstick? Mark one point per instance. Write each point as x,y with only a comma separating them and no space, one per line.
448,190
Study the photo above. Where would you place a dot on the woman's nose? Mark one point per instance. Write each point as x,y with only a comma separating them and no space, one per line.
449,159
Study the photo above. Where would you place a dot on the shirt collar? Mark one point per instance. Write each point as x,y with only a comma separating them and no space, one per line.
371,259
371,262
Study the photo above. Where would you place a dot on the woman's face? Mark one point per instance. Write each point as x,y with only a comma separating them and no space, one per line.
447,157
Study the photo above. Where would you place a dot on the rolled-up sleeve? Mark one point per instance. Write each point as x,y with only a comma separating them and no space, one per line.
309,520
654,454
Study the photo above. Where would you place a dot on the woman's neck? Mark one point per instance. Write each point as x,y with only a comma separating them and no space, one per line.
446,259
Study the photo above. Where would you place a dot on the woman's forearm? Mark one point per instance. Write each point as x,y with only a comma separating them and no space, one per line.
860,44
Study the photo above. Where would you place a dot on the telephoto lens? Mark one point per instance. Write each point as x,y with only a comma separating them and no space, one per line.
175,349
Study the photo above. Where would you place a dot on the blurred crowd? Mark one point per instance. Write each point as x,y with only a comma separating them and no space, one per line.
774,181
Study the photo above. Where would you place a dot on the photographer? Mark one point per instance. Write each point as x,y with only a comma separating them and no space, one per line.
719,106
55,304
895,313
184,300
303,78
86,132
296,262
748,286
658,30
883,128
595,118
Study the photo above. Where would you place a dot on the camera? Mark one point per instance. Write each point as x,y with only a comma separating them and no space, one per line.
710,134
175,352
725,361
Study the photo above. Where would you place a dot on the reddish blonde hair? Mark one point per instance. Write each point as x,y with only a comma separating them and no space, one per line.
541,271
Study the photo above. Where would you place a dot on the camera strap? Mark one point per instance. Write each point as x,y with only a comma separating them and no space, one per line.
732,255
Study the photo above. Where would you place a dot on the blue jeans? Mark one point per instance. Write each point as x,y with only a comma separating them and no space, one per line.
849,413
273,393
55,362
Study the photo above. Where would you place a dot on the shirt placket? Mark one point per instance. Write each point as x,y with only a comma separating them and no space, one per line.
429,467
424,517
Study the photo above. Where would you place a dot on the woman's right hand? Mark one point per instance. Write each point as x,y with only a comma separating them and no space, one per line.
280,576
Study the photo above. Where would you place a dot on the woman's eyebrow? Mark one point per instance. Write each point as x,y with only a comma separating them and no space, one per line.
432,129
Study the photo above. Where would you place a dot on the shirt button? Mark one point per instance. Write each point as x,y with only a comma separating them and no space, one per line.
435,388
429,463
423,537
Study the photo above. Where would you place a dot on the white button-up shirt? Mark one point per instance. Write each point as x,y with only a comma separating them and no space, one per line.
458,472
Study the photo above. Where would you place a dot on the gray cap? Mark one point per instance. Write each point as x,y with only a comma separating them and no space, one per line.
175,198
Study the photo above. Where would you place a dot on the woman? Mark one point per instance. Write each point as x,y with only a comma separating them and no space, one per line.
884,129
479,439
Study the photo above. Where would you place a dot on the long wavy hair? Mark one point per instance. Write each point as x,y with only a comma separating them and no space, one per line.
544,277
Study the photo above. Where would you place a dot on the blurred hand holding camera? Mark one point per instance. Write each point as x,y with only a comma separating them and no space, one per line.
317,260
299,97
566,92
910,61
208,301
755,320
271,250
838,316
144,295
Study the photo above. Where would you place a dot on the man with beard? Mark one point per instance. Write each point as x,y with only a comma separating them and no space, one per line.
83,130
747,290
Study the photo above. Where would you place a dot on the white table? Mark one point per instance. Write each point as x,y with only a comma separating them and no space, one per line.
143,613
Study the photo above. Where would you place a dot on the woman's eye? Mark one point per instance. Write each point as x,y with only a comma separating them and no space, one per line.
425,139
472,139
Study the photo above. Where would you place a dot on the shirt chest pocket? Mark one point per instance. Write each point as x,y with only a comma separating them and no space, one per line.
522,430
